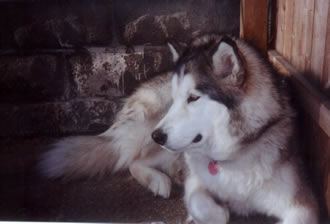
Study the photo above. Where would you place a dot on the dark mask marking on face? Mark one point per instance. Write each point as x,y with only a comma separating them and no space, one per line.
216,94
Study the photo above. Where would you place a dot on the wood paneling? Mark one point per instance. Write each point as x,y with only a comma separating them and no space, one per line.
317,148
303,35
314,103
280,18
302,46
254,17
288,28
316,126
326,69
319,37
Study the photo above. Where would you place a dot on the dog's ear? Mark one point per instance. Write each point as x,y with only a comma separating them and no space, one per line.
176,49
227,64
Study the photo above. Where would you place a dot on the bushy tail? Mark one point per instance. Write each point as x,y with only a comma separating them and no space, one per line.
79,156
128,139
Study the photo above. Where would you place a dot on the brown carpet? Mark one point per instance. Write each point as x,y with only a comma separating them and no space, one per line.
119,198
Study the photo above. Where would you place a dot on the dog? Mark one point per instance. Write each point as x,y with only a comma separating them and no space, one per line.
232,119
222,118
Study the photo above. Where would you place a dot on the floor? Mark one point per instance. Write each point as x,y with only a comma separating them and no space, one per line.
24,195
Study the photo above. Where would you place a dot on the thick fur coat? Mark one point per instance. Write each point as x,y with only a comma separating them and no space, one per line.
222,108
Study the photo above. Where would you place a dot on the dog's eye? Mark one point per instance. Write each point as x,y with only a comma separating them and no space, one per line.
192,98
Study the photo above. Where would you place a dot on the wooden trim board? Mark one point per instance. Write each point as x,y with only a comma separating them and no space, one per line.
315,104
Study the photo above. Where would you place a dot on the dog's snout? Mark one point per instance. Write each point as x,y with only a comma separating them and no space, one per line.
159,136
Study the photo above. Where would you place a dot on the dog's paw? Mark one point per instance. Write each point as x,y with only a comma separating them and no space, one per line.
154,180
189,220
160,185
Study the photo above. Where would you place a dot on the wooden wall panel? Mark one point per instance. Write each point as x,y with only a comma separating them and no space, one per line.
307,34
313,102
315,128
303,35
326,69
303,40
317,152
327,186
288,28
319,37
280,18
296,43
254,15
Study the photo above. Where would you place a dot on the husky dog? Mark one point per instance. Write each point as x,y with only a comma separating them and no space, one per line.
234,123
223,110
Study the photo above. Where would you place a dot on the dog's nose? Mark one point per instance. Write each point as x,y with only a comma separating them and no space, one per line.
159,136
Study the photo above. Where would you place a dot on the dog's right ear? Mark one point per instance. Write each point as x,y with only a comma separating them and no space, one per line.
176,49
227,63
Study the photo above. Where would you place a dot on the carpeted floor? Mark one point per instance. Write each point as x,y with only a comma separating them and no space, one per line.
119,198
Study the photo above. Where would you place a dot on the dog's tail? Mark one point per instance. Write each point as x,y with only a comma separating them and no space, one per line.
128,139
80,156
111,151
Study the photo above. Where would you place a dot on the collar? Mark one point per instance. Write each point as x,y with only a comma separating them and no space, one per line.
213,167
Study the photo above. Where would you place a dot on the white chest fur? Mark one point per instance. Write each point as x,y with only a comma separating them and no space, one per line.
237,186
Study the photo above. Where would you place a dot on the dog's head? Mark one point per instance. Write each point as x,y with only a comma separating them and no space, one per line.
206,84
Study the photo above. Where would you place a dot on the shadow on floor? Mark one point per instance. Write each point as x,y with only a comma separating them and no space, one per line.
25,195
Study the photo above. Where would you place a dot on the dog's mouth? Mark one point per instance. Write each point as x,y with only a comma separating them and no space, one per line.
197,139
172,150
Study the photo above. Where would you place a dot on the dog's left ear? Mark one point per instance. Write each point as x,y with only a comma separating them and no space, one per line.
176,49
227,64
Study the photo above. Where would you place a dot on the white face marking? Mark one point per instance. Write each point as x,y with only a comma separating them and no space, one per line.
186,120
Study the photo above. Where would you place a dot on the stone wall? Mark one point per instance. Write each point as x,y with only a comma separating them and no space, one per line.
65,64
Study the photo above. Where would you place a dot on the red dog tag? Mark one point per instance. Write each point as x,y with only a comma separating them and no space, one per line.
213,168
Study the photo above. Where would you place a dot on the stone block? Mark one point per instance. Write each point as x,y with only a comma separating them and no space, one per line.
89,116
32,78
141,22
55,24
114,72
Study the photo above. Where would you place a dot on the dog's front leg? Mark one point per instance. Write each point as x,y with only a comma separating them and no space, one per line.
148,172
299,215
156,181
202,208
